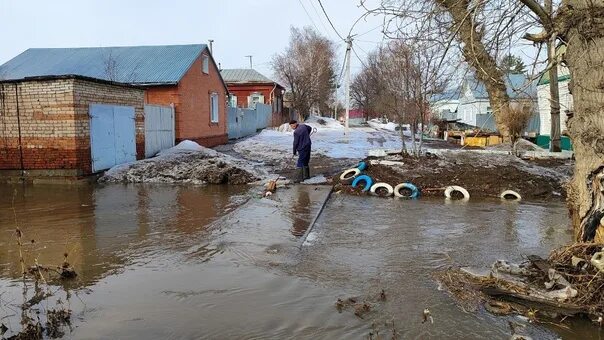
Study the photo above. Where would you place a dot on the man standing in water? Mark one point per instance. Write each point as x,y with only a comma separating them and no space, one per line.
302,149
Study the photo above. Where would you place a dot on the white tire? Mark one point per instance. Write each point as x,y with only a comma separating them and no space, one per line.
409,186
348,176
506,194
388,187
451,189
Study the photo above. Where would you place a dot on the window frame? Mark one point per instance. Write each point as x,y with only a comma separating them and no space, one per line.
214,104
205,64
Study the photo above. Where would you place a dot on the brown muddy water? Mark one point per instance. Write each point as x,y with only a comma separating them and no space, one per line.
216,262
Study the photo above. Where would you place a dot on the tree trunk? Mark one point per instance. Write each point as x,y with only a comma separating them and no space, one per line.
477,56
582,27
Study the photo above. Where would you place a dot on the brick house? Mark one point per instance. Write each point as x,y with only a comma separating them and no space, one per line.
184,76
45,123
248,87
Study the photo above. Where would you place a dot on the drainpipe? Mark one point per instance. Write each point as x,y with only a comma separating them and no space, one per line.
19,129
271,98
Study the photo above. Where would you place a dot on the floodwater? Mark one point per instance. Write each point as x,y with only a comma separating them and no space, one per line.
218,262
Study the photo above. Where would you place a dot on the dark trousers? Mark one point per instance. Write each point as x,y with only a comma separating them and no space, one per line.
303,157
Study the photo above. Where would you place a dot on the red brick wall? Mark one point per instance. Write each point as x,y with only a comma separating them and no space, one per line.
191,99
55,127
242,91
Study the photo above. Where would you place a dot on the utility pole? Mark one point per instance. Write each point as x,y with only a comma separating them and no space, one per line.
554,89
251,64
348,51
211,50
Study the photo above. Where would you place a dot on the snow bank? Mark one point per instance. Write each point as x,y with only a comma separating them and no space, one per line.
321,179
324,123
315,122
187,162
377,124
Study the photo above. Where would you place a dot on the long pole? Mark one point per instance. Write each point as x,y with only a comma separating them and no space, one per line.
554,89
348,50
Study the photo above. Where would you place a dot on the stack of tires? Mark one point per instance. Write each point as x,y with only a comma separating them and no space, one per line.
356,178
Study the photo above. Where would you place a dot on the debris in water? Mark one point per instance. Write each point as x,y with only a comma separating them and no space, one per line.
339,305
383,295
427,316
360,309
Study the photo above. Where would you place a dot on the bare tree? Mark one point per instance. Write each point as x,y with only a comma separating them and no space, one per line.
114,69
579,25
110,66
308,67
472,30
397,80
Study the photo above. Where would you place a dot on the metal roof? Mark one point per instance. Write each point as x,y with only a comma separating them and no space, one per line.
244,75
131,64
517,85
447,95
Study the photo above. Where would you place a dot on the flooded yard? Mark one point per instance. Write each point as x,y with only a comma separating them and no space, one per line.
180,262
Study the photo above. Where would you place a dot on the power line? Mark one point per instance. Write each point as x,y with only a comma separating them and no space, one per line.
359,58
371,30
342,70
329,20
308,15
319,17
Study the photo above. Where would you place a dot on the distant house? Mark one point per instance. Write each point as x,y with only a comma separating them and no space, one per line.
248,87
184,76
444,105
355,117
543,97
475,109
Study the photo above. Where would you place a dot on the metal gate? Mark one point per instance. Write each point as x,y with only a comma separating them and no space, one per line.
159,129
112,135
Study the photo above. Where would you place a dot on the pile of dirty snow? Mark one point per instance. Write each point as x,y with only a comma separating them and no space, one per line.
187,162
323,123
377,124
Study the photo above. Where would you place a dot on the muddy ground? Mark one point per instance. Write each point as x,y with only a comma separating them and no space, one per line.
483,175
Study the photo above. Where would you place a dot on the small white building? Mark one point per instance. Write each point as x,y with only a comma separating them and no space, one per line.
475,109
444,105
543,96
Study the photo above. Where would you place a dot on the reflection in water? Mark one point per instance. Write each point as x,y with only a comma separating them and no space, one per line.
301,214
103,227
154,269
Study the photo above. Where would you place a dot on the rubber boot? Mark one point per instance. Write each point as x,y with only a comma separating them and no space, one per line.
306,172
299,175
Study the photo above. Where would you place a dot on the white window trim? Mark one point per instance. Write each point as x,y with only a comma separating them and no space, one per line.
214,103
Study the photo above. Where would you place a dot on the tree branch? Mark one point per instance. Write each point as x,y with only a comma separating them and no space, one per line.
537,38
536,8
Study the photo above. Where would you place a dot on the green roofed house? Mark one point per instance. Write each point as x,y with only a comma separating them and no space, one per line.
566,105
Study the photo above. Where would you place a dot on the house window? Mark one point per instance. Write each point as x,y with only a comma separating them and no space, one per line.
214,107
205,64
254,99
232,100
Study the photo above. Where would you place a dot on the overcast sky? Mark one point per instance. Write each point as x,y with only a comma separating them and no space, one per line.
238,27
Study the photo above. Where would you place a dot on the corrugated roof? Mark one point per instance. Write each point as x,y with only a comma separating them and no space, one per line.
517,85
130,64
447,95
244,75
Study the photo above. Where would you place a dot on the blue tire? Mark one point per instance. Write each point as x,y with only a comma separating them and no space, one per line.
362,166
414,191
363,178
